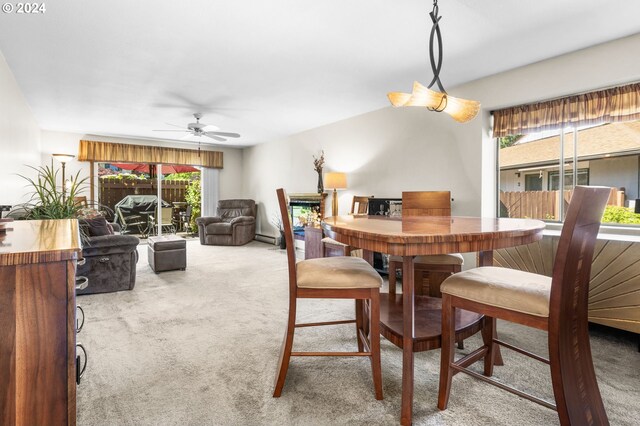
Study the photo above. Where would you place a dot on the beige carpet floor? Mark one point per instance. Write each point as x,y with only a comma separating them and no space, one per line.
199,347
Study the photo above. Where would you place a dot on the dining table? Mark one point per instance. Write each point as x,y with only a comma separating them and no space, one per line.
413,322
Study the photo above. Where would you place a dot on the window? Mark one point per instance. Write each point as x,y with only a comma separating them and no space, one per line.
553,185
533,182
605,155
587,139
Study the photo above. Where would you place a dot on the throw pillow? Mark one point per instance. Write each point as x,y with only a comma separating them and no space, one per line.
98,226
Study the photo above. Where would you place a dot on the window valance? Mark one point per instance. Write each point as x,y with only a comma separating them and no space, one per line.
603,106
126,153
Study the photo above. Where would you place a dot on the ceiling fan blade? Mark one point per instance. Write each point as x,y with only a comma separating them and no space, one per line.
163,130
225,134
175,125
218,138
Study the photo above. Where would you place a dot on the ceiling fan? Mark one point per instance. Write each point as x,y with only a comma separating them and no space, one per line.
201,129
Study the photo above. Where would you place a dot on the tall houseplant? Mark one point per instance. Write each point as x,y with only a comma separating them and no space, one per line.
48,201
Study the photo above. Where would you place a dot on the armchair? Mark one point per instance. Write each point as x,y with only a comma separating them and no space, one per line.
234,225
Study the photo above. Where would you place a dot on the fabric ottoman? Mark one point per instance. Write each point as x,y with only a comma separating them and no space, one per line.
167,253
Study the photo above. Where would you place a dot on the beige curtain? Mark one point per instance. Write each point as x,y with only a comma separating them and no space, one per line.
125,153
604,106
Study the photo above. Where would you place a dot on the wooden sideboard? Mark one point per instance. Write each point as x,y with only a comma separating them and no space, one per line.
37,322
614,288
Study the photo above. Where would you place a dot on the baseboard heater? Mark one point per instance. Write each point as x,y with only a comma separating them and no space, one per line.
268,239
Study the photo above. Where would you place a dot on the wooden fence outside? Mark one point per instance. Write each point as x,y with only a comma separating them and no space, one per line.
111,191
543,204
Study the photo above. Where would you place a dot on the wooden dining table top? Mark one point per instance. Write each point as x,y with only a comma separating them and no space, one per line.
423,235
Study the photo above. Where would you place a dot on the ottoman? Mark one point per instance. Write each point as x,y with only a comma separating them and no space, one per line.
167,253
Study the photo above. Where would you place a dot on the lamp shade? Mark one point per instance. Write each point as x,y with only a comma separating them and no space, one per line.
63,158
335,180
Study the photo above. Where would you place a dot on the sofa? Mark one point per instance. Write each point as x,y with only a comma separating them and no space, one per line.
110,262
234,225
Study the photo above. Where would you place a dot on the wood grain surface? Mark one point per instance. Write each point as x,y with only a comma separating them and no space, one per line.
36,241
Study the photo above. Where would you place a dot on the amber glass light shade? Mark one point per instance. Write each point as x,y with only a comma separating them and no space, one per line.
459,109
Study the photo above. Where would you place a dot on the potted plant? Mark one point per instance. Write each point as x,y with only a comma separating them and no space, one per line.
47,200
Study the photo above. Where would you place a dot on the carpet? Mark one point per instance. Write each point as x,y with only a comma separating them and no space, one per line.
200,347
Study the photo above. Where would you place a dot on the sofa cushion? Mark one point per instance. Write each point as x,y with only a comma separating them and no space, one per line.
228,209
220,228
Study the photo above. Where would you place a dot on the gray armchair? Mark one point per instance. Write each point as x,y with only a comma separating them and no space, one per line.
234,225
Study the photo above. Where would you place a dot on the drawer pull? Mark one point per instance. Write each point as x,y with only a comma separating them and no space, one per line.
79,324
82,283
80,371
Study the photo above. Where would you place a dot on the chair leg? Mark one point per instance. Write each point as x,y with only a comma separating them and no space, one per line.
393,267
447,351
374,341
488,337
285,351
359,323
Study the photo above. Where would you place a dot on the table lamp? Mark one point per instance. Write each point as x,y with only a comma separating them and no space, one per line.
336,181
64,159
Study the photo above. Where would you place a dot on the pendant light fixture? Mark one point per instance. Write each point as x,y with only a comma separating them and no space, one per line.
461,110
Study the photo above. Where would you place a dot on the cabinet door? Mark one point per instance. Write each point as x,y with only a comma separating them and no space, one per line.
41,343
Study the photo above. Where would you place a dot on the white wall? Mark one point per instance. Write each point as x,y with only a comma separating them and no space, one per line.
19,139
383,153
387,151
67,143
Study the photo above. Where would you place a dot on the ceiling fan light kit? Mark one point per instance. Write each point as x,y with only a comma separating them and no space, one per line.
461,110
201,129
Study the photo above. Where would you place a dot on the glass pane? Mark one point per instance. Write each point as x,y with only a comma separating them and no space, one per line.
527,164
609,156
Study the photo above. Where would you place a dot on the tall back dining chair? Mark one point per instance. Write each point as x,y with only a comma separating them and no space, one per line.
434,268
331,247
331,278
360,204
556,304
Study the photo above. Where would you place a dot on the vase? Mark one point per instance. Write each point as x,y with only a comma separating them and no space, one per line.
320,184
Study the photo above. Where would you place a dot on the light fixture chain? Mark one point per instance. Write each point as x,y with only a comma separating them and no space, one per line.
435,33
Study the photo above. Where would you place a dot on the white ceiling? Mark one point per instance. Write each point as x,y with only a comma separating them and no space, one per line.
268,69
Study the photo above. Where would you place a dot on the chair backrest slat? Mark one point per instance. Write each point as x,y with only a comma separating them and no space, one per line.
569,348
283,202
360,204
426,203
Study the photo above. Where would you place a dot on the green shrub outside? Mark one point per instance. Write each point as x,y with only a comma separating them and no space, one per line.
617,214
193,197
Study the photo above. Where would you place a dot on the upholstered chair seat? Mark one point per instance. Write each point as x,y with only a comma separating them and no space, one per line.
511,289
337,272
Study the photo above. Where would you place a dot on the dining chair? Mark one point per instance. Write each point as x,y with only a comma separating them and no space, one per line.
434,268
331,278
556,304
331,247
